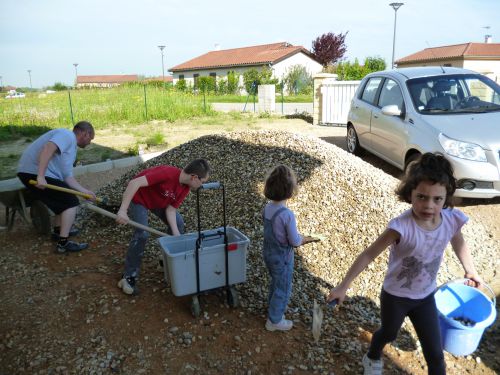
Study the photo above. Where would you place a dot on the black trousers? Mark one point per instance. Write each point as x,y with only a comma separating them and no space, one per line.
424,317
57,201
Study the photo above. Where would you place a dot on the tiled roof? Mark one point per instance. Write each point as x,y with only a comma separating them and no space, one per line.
246,56
465,50
107,78
160,78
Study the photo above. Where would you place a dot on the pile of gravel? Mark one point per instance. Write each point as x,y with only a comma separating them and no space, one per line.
340,196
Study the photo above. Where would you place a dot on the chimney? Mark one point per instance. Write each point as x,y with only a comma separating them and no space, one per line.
216,47
488,39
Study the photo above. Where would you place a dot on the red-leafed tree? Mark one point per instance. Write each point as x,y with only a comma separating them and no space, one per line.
329,48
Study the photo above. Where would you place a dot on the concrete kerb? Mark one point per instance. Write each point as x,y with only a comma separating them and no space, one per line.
14,184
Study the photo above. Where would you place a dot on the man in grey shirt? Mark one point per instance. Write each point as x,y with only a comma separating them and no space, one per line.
49,160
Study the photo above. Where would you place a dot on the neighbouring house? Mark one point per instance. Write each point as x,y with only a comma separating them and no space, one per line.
279,57
483,58
168,79
104,80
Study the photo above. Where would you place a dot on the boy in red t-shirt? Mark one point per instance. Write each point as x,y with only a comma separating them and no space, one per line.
160,190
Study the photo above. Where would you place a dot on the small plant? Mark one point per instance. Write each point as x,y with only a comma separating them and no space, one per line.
105,155
155,139
133,150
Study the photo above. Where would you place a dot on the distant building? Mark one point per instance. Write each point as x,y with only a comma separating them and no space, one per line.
279,57
168,79
483,58
104,80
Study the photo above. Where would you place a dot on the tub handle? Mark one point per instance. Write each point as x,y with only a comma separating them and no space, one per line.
486,286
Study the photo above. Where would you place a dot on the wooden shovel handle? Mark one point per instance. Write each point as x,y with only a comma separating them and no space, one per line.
66,190
130,222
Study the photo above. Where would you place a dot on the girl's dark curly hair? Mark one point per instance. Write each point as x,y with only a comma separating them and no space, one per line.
433,167
281,183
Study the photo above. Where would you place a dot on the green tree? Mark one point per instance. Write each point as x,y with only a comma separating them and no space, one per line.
206,84
58,86
180,85
262,77
375,64
233,83
298,80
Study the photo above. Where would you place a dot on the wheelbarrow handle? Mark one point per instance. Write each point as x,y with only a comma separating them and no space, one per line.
111,215
66,190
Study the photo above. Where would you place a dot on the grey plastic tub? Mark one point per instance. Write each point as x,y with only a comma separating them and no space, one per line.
179,260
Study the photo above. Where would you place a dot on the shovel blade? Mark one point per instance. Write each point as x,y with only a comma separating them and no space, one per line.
317,321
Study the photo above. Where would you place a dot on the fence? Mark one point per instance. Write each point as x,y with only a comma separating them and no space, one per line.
332,99
135,104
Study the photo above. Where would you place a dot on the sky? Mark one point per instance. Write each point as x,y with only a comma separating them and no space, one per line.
122,37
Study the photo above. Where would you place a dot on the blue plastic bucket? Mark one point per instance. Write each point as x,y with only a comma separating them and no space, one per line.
464,313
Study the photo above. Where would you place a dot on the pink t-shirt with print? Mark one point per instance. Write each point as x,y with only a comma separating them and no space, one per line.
414,261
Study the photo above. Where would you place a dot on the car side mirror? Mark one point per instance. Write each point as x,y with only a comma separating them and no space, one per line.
391,110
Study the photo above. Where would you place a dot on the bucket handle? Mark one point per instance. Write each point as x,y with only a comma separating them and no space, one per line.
486,286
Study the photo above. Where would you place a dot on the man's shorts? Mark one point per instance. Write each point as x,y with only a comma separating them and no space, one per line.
57,201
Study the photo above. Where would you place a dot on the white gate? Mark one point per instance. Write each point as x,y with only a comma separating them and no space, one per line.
336,100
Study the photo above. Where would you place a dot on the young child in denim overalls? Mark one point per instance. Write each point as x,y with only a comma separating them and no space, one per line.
280,237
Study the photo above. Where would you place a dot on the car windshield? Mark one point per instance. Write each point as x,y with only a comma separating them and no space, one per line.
461,93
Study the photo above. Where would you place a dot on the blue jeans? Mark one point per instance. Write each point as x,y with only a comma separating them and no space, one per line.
139,214
279,262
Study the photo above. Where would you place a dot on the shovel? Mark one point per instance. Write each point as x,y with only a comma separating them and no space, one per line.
70,191
130,222
318,318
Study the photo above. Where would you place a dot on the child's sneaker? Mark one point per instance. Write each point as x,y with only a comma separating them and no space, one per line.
371,366
127,285
283,325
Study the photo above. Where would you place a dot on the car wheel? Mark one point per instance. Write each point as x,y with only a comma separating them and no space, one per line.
352,141
411,159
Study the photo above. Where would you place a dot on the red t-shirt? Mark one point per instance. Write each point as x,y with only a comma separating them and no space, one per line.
164,188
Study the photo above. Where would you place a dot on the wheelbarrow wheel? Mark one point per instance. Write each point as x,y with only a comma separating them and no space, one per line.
40,217
195,306
232,297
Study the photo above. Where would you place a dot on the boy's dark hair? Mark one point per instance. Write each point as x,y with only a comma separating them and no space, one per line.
199,167
84,126
433,167
281,183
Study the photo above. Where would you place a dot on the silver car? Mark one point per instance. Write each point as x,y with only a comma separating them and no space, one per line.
399,114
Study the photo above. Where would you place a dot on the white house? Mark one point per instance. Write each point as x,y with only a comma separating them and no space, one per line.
483,58
279,57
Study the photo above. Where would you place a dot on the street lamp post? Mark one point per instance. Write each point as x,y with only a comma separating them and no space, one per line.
162,65
29,73
394,6
76,73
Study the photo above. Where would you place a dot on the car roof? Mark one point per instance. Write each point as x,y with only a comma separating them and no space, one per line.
424,71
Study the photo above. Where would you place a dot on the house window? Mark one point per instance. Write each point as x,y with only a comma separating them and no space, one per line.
447,65
181,77
213,75
195,80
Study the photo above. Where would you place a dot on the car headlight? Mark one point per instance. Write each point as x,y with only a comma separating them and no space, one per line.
464,150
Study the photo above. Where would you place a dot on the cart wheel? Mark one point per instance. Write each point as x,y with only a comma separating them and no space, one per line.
232,297
40,217
195,307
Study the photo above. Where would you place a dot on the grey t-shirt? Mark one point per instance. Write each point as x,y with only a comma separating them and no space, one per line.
61,164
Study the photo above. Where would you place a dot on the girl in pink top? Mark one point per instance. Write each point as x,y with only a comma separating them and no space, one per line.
417,240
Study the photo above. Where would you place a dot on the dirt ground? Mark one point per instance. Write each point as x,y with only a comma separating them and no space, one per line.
64,314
